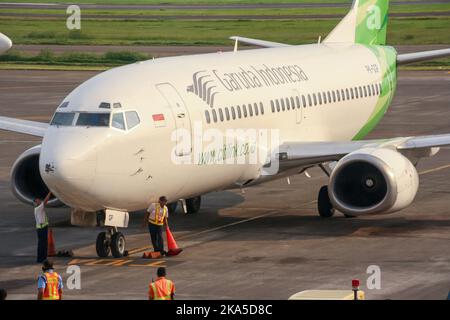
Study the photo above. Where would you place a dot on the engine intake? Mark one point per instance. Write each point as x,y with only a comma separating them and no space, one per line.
26,180
373,180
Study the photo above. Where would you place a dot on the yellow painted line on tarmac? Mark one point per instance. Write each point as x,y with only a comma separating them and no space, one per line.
435,169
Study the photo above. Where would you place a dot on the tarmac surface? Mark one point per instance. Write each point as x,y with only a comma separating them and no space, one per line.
268,243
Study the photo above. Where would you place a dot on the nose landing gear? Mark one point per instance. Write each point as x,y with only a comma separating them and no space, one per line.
110,241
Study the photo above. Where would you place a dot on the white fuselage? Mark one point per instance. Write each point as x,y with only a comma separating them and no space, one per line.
104,167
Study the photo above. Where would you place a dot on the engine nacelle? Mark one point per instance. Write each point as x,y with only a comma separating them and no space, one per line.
373,180
26,181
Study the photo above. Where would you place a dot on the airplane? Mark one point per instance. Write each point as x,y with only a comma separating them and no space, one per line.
5,43
185,126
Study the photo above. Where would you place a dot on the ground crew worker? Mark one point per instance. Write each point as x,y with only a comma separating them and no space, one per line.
162,288
41,227
50,283
156,217
3,294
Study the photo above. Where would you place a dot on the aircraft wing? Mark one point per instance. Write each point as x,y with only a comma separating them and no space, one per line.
259,43
293,154
32,128
422,56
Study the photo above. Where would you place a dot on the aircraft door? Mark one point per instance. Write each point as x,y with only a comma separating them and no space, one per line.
181,117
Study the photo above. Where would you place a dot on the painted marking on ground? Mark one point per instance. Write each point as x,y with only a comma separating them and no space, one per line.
119,262
435,169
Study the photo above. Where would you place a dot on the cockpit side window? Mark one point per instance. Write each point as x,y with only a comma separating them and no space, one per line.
132,119
62,119
118,121
93,119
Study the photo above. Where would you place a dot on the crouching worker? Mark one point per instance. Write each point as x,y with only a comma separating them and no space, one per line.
156,217
50,283
162,288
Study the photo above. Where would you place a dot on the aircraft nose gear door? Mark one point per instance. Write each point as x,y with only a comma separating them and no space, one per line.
181,116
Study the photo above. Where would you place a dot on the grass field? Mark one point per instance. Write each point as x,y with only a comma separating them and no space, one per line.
130,31
184,32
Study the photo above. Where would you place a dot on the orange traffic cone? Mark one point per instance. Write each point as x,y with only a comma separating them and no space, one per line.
51,250
172,247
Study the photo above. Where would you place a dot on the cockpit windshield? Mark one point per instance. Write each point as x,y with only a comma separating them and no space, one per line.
63,119
93,119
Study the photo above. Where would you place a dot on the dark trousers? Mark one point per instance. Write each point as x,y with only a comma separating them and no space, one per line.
156,234
42,247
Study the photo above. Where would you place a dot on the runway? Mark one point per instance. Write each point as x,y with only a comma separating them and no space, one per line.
166,51
268,243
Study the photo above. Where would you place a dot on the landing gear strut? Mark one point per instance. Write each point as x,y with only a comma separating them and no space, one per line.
324,205
110,241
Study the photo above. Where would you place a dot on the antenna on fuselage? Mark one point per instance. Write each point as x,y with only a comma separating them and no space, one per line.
319,40
236,44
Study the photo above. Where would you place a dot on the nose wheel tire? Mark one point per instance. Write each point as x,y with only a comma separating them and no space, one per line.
102,245
118,245
324,205
193,204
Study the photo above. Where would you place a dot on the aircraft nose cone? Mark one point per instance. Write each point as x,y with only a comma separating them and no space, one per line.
67,165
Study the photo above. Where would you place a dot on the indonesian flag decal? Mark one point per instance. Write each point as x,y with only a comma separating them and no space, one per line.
158,117
159,120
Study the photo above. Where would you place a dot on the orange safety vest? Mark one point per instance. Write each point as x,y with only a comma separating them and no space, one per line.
161,289
159,218
51,291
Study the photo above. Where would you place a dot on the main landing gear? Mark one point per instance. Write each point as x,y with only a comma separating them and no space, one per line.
110,241
193,204
324,205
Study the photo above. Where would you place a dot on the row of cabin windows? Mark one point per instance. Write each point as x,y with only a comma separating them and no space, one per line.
233,113
325,97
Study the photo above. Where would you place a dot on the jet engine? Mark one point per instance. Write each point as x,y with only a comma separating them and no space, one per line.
373,181
26,181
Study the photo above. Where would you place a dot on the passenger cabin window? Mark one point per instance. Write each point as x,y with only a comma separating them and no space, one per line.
272,106
233,113
62,119
239,112
118,121
132,119
214,113
207,117
255,106
227,114
221,114
250,110
93,119
261,108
